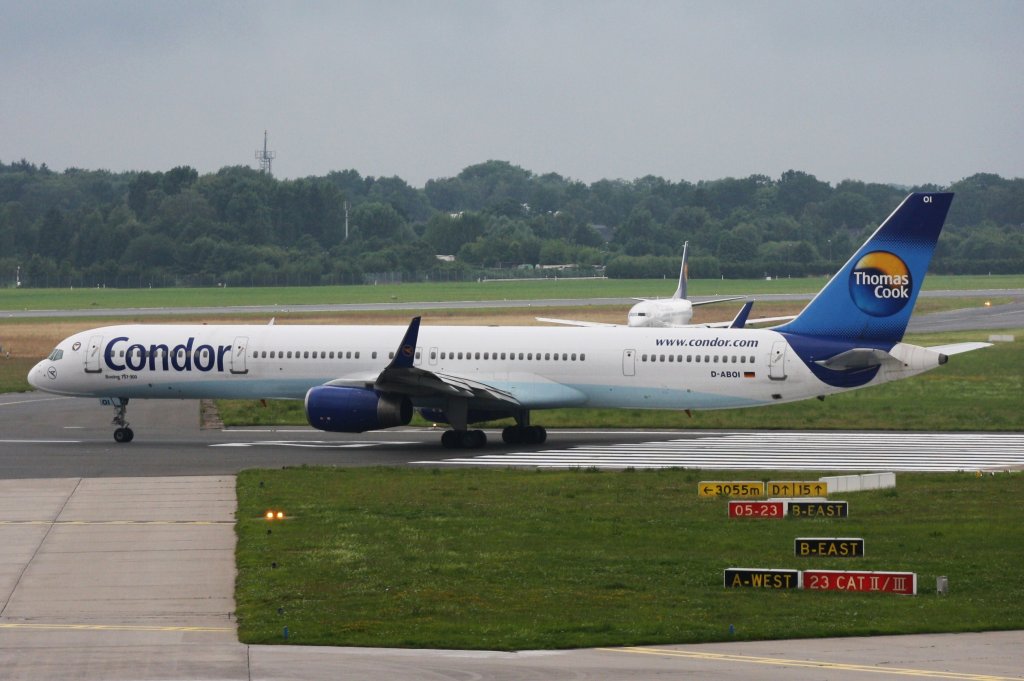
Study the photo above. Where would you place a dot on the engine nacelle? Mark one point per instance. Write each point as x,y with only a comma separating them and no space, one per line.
355,410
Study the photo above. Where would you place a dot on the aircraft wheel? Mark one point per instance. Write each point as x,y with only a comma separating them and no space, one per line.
512,435
473,439
534,435
450,439
123,435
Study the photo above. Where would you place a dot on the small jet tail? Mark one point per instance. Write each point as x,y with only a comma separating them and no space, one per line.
680,293
872,296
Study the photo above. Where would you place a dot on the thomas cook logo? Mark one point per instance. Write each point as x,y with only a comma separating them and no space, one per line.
880,284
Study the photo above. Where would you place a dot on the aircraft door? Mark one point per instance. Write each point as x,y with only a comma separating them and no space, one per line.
629,362
238,353
92,355
417,359
777,363
433,356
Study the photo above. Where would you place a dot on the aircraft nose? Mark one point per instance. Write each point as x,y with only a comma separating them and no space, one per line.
37,375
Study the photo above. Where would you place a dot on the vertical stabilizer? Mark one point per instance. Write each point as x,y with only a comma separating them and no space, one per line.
872,295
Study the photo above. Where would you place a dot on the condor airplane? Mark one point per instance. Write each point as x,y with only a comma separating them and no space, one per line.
359,378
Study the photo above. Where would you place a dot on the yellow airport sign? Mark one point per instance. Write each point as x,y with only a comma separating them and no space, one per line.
797,488
734,488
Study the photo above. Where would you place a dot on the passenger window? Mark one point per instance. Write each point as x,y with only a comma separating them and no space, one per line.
583,356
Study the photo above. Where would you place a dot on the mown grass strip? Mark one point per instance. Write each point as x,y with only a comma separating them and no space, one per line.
509,560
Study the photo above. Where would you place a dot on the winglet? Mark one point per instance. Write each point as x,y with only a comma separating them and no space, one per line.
406,353
683,276
741,317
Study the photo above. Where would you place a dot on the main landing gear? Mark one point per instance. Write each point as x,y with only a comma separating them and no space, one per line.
462,438
123,433
475,439
524,435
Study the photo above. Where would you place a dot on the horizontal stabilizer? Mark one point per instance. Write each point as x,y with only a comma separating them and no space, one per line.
957,348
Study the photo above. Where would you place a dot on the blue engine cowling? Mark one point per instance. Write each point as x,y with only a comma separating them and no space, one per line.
355,410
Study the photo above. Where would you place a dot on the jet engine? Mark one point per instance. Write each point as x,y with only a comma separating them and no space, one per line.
355,410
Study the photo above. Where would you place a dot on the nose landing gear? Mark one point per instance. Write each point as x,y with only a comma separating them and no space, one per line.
123,433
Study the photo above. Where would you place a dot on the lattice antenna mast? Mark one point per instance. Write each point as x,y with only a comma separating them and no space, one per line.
265,157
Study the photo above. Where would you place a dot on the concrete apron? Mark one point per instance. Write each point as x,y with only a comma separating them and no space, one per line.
118,578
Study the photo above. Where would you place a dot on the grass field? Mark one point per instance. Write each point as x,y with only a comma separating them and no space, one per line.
508,560
93,298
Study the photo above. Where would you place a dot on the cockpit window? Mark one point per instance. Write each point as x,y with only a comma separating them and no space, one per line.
56,354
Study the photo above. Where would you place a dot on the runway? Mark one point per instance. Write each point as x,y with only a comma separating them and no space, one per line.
118,559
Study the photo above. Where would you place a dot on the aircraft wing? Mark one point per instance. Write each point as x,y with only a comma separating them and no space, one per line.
759,320
573,322
417,382
400,376
695,303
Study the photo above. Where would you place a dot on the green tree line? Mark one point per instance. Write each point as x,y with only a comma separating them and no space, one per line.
240,227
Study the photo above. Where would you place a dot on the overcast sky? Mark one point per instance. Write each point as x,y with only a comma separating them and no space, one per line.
894,91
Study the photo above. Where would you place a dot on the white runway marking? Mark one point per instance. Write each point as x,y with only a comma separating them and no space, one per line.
40,442
854,451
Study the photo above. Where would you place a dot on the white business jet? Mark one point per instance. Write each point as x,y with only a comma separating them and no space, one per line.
673,312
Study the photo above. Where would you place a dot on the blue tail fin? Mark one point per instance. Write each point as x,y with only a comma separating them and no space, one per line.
872,296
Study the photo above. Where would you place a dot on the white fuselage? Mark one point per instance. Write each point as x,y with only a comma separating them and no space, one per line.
691,368
660,313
